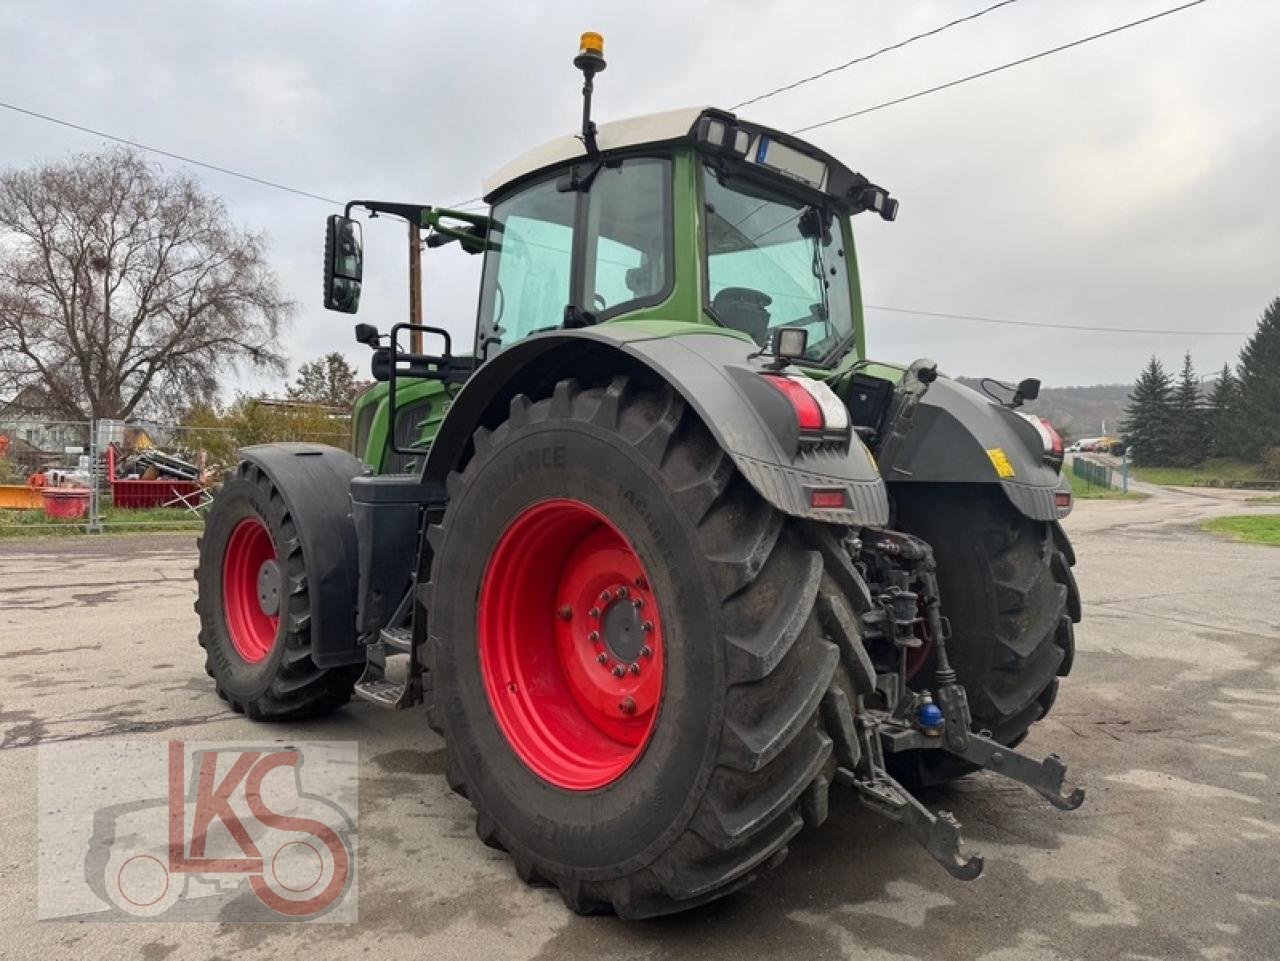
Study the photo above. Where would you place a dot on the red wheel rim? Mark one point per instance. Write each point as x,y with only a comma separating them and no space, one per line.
571,647
251,590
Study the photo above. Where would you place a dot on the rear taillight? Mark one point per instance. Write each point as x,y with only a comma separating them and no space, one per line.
1050,439
817,408
1053,445
828,498
808,412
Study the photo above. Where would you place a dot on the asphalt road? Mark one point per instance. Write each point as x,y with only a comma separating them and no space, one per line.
1171,719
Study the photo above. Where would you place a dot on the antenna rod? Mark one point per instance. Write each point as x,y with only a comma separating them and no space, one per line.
588,125
590,60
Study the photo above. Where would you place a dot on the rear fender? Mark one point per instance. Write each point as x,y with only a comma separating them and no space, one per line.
961,437
716,376
315,482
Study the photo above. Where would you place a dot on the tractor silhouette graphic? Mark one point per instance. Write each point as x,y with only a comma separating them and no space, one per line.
241,816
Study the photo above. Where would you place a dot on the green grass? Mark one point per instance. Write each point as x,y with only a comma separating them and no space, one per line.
1214,469
1255,529
1082,490
115,520
1263,501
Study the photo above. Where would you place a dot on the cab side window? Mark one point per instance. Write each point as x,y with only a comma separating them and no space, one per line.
629,236
605,251
526,278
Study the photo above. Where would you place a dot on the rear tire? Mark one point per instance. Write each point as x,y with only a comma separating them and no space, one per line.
714,793
260,662
1009,594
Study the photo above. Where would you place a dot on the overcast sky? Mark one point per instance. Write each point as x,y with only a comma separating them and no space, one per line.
1127,183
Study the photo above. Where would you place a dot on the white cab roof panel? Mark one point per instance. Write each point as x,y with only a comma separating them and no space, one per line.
632,132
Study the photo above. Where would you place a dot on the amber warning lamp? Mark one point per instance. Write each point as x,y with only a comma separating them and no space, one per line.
590,58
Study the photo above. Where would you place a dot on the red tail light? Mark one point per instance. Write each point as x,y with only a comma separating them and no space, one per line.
828,497
1050,439
1054,445
818,409
808,413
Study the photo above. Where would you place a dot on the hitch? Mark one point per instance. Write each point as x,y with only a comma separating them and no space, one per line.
939,834
1047,778
908,720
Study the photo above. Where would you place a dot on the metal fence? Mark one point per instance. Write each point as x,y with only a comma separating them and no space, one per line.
113,476
1092,473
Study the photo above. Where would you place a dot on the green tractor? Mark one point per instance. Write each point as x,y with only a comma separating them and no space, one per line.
664,556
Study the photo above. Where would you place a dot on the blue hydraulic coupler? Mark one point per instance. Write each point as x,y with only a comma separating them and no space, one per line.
929,716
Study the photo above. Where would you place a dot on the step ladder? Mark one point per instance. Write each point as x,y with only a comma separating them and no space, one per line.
393,674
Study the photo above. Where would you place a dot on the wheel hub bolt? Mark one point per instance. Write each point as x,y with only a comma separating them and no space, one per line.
641,583
646,651
619,670
602,657
595,612
606,596
635,668
594,637
647,626
566,613
627,705
622,592
637,603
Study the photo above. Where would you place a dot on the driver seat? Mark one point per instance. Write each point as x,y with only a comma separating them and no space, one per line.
743,308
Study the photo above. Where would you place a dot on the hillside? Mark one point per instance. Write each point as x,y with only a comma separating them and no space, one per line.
1077,411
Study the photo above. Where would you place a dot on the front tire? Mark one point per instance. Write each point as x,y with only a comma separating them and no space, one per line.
254,606
702,788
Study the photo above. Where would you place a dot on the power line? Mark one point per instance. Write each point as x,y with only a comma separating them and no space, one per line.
173,156
192,160
1031,323
159,151
871,56
1003,66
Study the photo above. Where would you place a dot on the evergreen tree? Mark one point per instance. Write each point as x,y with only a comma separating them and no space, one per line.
1189,434
1149,417
328,380
1259,370
1224,415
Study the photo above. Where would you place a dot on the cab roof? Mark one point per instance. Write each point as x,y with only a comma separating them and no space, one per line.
652,128
748,145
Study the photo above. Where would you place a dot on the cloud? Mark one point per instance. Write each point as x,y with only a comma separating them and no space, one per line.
1127,182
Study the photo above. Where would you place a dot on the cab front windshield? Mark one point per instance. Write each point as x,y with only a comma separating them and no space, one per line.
775,261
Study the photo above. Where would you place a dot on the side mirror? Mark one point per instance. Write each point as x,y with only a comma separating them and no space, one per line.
343,264
1028,389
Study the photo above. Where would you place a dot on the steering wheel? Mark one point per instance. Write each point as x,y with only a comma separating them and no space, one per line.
499,302
599,302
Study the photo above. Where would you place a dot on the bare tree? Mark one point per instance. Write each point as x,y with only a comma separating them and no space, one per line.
126,290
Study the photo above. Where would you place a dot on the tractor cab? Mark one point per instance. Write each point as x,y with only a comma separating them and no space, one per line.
689,216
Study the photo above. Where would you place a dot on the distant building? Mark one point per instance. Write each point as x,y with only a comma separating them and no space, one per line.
37,437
